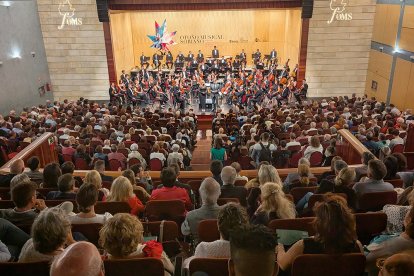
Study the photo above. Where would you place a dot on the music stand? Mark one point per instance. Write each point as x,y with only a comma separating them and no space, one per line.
267,56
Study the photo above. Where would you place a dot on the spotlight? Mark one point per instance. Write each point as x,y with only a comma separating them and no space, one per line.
5,4
396,50
381,49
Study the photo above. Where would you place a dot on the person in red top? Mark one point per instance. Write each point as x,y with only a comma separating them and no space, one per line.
67,149
117,155
121,190
169,191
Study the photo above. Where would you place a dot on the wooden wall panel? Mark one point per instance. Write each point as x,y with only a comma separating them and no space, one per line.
386,24
407,39
409,98
240,29
408,20
380,63
382,86
400,83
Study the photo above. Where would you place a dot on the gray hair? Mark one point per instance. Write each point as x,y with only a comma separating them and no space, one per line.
209,191
228,175
175,148
339,165
134,147
268,173
17,179
304,161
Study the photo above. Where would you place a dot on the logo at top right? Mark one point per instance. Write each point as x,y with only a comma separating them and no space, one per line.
339,12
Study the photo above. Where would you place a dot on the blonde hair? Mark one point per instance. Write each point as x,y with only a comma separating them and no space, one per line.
121,189
268,173
345,177
274,200
121,235
304,171
93,177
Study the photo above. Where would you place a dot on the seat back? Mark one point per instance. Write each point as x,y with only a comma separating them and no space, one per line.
210,266
324,264
208,230
67,157
112,207
316,159
300,224
133,267
114,164
397,183
155,164
165,210
320,197
398,148
370,225
240,182
18,269
169,231
375,201
133,161
294,159
6,204
81,164
222,201
299,192
89,230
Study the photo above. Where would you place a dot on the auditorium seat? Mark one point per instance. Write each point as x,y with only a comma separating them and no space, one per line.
156,164
106,184
398,148
157,210
294,159
89,230
19,269
316,159
211,266
301,224
112,207
81,164
299,192
114,165
208,230
240,182
324,264
133,161
67,157
222,201
376,201
397,183
319,198
370,225
134,267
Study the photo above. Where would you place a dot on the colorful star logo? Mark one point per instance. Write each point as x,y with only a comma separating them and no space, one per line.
162,39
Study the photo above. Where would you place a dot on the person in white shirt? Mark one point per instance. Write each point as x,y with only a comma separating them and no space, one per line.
257,148
136,154
292,141
314,145
397,140
156,154
175,155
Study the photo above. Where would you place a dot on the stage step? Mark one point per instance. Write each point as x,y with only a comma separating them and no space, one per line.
201,154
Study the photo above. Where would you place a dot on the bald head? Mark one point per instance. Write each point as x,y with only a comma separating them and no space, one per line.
17,167
81,258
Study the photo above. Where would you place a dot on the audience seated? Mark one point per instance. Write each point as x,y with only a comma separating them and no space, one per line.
209,193
86,199
237,167
136,154
121,190
81,258
100,167
304,178
274,205
122,238
66,186
179,184
50,232
263,150
51,174
34,174
314,146
293,176
230,217
142,191
94,177
12,240
335,233
17,167
117,156
400,264
252,252
215,168
228,190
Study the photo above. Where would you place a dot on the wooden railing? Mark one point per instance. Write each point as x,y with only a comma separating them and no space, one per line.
348,147
43,147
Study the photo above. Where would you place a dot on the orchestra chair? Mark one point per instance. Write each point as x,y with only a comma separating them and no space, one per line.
397,183
114,165
370,225
156,164
211,266
134,267
299,192
18,269
81,164
376,201
329,264
300,224
157,210
112,207
223,201
67,157
208,230
240,182
133,161
398,148
89,230
316,159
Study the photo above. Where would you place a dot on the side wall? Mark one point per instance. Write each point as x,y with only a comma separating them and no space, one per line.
393,71
20,78
338,51
76,51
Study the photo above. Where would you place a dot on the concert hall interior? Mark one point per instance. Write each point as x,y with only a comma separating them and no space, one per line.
207,137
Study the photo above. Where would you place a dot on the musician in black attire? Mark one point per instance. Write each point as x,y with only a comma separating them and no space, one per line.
113,93
257,56
180,57
169,60
273,56
200,56
243,59
190,55
143,61
257,96
123,75
155,61
215,52
202,95
130,95
215,88
304,89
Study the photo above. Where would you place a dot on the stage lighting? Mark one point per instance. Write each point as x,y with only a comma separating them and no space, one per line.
396,50
5,3
15,53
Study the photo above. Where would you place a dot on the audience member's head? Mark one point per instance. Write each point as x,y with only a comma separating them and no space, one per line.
230,217
252,250
236,166
86,197
228,175
24,195
400,264
376,169
215,167
209,191
274,200
93,177
51,174
17,179
366,157
17,166
80,258
345,177
66,183
33,163
130,175
268,173
121,235
339,165
67,167
99,166
391,163
168,177
121,189
402,161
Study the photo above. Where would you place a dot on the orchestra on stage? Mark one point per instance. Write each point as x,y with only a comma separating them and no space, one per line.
209,81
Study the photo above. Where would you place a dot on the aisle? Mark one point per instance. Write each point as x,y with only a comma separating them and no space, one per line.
201,154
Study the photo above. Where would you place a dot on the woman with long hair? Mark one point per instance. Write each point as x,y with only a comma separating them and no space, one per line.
218,152
274,205
304,179
335,229
121,190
